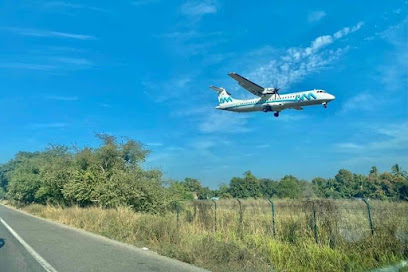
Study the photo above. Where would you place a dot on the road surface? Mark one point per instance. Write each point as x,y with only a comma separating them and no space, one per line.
29,243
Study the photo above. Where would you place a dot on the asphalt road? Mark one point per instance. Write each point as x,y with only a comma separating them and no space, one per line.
69,249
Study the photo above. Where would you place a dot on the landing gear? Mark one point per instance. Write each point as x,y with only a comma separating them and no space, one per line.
276,114
267,108
324,105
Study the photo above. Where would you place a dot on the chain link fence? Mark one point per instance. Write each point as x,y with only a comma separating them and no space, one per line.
324,221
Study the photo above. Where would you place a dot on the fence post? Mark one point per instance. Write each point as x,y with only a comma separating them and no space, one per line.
195,211
273,217
315,223
178,214
215,214
369,216
241,215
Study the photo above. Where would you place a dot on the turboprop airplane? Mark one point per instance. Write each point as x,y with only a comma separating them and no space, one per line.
269,98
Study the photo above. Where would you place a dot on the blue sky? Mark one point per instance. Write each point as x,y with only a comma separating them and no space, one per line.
142,69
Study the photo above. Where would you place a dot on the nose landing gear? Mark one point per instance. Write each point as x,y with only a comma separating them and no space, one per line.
324,105
276,114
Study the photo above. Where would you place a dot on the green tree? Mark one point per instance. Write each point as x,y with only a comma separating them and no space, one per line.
374,171
289,187
248,186
192,185
397,171
269,187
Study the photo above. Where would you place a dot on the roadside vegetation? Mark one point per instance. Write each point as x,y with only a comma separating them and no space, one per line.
345,242
320,225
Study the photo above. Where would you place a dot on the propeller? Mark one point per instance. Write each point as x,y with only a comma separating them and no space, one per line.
276,89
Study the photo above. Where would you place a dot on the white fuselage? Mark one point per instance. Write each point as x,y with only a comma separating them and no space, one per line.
275,102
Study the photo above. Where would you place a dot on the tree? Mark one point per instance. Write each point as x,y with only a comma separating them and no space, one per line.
269,187
374,171
248,186
192,185
289,187
397,171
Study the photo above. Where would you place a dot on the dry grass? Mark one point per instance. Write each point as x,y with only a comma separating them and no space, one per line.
345,242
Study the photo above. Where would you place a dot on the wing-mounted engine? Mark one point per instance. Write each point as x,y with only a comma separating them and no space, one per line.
267,91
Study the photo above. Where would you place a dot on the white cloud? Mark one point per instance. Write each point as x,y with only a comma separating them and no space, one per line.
144,2
198,8
62,98
348,146
347,30
76,61
262,146
316,16
388,139
47,125
171,89
192,42
154,144
27,66
361,102
49,63
46,33
224,122
300,62
68,5
394,73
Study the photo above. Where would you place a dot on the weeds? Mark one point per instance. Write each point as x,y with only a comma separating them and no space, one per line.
244,241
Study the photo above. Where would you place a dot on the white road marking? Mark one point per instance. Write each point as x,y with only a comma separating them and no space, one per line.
36,256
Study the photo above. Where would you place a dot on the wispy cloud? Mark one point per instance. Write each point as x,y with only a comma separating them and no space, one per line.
263,146
47,125
48,63
394,73
27,66
197,9
192,42
361,102
348,146
69,5
62,98
73,61
297,63
316,16
154,144
143,2
105,105
164,91
224,122
388,138
46,33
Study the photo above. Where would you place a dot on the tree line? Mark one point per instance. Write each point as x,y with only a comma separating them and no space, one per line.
112,175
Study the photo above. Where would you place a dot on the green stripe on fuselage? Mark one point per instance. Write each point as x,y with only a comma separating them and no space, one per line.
260,103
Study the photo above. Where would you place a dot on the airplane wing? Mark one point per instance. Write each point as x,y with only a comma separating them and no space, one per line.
248,85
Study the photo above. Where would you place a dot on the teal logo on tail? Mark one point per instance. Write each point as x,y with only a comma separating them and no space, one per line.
225,100
302,97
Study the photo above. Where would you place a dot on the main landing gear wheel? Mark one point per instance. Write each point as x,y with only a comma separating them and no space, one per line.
276,114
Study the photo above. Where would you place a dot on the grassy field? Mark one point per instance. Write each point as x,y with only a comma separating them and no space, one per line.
318,235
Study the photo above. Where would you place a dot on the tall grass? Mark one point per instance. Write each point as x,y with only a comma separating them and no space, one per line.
344,243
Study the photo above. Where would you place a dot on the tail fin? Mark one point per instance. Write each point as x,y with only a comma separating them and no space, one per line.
223,95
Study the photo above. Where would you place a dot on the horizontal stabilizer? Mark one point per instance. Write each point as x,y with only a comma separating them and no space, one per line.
217,89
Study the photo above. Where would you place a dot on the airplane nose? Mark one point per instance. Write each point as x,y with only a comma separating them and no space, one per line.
332,97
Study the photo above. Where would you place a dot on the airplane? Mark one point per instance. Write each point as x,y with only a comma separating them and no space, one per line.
269,98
